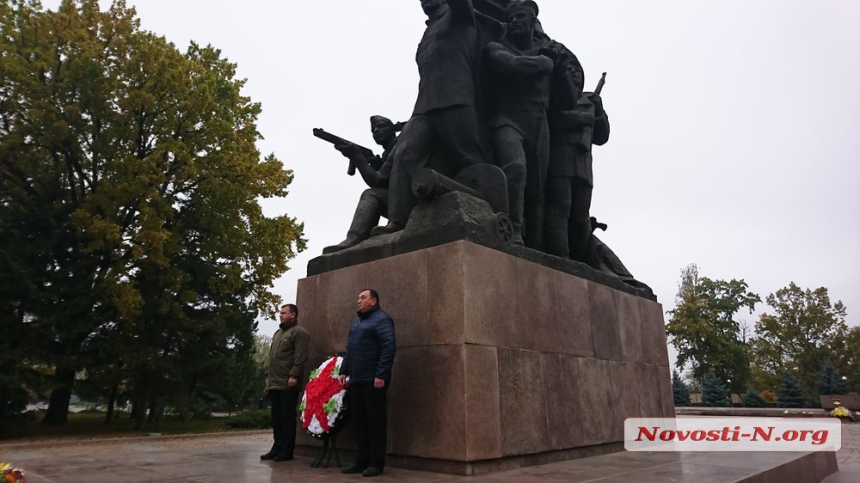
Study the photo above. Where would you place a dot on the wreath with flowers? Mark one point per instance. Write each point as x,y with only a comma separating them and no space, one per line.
11,475
323,402
842,413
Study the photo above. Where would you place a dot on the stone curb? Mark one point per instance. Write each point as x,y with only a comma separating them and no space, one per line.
751,414
754,412
133,439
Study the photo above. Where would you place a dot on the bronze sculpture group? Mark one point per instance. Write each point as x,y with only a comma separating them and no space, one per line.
494,89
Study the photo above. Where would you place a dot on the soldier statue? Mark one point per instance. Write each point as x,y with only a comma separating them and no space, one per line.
444,117
518,76
373,203
571,179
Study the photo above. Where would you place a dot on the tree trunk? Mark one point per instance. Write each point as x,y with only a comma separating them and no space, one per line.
58,406
111,404
153,408
138,406
4,403
140,416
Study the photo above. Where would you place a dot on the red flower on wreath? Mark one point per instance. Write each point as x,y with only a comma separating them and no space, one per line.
317,393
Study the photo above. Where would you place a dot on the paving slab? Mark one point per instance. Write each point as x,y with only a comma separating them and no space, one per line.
843,477
849,456
236,458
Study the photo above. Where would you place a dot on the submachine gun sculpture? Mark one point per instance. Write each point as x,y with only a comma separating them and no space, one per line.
337,140
375,161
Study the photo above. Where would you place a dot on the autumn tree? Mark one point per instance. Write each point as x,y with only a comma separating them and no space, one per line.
845,356
704,329
800,336
134,243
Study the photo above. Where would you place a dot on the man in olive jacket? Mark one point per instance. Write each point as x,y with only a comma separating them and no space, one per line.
368,361
287,358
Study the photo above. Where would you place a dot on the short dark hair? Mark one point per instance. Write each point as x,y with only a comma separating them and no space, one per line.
373,294
292,308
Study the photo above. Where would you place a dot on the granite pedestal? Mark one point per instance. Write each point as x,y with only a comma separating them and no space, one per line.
501,362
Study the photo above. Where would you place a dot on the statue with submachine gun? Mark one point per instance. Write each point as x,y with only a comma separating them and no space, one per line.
375,161
500,115
375,171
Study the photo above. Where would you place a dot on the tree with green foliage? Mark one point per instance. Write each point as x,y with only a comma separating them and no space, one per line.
704,330
134,242
715,392
693,384
17,376
845,356
789,394
680,392
753,399
800,336
830,381
262,345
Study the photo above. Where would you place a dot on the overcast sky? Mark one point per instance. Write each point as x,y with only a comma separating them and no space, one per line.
735,124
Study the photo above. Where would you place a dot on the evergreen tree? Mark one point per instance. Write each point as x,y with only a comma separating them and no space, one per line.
789,393
680,392
715,393
830,381
752,399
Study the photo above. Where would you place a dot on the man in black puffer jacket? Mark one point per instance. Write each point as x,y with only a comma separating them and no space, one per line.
368,360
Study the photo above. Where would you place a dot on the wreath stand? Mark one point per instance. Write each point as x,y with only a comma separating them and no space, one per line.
329,447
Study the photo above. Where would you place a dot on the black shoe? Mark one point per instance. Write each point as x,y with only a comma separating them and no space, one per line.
268,456
283,457
372,471
353,469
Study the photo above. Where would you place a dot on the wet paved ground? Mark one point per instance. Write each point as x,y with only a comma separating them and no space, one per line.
848,457
236,458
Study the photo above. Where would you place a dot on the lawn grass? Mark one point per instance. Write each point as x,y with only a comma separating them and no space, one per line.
91,425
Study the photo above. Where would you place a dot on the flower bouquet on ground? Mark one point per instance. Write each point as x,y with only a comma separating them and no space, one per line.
323,403
842,413
11,475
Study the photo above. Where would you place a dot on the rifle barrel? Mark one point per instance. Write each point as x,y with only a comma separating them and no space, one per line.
331,138
600,84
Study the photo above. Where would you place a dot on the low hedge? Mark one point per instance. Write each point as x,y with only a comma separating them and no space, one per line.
260,419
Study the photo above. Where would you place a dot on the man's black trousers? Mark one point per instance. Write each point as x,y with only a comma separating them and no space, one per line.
284,402
368,407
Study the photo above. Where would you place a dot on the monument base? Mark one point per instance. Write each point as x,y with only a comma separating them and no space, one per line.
456,217
501,362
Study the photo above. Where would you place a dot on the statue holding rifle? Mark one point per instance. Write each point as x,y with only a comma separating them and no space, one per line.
376,172
570,182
